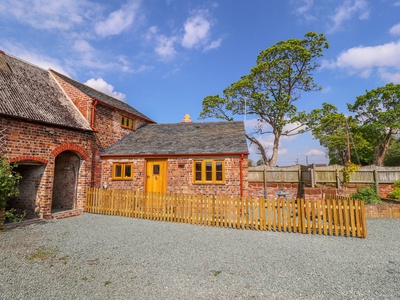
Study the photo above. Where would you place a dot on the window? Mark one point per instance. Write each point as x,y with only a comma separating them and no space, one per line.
122,171
208,171
128,123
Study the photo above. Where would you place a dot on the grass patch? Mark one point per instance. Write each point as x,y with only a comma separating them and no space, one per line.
64,259
42,254
216,272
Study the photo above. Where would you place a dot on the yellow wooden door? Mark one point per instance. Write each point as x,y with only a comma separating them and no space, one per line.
156,172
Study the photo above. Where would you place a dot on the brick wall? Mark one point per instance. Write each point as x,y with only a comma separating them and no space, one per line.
373,211
82,101
179,176
139,172
107,123
317,192
256,189
40,144
293,189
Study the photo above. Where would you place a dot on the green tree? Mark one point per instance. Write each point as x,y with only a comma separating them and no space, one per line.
378,113
392,157
251,163
9,181
329,127
282,73
260,162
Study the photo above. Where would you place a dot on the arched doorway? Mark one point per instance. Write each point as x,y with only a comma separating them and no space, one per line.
29,185
65,182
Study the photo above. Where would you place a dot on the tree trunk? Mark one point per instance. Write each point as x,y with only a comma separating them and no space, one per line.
382,150
275,148
260,148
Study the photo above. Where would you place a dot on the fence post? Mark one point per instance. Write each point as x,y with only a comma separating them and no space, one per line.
313,180
265,184
337,178
376,180
300,186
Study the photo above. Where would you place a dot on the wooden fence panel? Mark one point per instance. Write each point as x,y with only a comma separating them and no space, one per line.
334,216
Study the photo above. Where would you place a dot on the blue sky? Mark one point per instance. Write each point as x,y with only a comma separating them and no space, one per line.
164,56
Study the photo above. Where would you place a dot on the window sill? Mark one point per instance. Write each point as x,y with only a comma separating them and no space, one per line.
209,183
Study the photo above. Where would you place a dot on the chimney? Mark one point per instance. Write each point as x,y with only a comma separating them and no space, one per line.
186,119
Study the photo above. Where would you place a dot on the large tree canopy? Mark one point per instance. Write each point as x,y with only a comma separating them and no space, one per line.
378,112
329,127
282,73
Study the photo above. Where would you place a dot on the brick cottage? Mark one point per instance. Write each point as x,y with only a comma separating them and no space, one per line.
66,136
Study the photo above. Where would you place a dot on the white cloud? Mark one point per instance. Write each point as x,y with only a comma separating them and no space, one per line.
213,45
303,8
315,152
326,90
45,14
34,57
390,76
397,3
196,34
103,86
365,60
197,30
82,46
119,20
395,30
164,46
347,11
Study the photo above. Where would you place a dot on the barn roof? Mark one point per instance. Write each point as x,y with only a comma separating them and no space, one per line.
31,93
102,97
182,138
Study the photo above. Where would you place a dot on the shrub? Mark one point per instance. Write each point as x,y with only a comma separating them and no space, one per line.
9,181
396,192
12,216
396,184
368,195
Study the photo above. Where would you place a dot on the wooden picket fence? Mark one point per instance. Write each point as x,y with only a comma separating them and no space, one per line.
340,217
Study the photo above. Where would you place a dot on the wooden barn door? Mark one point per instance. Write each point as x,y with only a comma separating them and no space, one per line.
156,171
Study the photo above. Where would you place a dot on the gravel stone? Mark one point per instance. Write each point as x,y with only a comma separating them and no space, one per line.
105,257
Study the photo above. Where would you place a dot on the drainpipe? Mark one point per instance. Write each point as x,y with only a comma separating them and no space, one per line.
241,174
93,109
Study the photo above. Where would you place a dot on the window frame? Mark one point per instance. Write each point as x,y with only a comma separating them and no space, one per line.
203,171
123,171
127,123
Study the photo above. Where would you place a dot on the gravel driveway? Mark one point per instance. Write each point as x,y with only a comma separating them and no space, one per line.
104,257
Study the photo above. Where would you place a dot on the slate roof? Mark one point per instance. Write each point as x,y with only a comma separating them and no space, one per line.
31,93
182,138
102,96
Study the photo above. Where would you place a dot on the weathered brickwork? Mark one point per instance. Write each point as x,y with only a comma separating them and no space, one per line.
39,145
106,123
374,211
139,171
82,101
293,190
256,189
179,176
